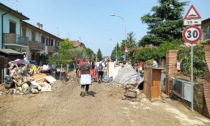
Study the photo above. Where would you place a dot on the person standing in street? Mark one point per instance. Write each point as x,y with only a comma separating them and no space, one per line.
154,64
85,77
100,72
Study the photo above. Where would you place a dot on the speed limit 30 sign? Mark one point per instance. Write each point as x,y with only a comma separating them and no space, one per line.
192,34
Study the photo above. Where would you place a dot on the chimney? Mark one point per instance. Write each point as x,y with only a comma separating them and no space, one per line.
40,26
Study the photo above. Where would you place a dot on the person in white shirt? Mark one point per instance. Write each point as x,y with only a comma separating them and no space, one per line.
155,64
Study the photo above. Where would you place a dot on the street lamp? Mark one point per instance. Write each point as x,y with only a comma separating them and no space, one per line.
124,26
122,20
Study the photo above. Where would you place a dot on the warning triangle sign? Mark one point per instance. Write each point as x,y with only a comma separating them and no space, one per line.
192,14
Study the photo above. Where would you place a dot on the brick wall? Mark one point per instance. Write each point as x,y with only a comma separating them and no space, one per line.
206,84
171,68
198,98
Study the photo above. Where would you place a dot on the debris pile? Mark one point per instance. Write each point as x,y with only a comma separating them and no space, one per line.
126,83
24,78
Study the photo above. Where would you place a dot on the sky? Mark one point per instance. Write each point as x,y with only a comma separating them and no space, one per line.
89,21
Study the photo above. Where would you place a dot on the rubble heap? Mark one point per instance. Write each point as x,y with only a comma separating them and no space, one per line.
24,78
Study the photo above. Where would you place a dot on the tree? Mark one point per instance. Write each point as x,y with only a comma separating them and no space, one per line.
60,59
198,60
44,58
165,23
131,41
90,53
67,54
65,45
99,55
130,45
164,47
146,54
117,52
68,57
75,54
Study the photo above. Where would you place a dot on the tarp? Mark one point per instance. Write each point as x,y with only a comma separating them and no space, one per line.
127,75
20,61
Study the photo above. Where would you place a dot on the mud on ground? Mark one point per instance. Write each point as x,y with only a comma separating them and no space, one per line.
65,107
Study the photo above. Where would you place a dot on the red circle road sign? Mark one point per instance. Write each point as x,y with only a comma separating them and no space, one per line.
192,34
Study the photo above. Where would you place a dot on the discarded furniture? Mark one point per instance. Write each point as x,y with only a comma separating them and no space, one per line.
152,83
7,55
182,88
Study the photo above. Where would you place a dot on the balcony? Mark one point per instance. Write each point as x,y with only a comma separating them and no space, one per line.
52,49
35,45
11,38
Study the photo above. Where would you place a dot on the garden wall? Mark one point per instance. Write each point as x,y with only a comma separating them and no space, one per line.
171,68
206,84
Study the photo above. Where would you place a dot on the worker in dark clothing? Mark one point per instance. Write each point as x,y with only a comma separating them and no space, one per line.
85,77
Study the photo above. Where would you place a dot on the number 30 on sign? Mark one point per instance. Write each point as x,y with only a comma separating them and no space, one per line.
192,34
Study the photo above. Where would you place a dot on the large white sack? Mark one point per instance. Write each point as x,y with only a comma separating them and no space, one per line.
126,75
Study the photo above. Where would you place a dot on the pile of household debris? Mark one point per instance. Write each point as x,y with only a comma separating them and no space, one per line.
26,78
128,79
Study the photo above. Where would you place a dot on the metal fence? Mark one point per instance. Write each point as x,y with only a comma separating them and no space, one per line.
182,88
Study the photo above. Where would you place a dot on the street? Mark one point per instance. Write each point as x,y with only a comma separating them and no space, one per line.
65,107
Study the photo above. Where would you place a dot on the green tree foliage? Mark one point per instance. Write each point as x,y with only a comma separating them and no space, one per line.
65,45
60,59
164,47
75,54
131,41
68,57
117,52
165,23
67,54
44,58
155,53
90,53
199,62
123,45
99,55
130,45
146,54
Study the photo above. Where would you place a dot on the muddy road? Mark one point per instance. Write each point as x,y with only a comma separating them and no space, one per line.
103,107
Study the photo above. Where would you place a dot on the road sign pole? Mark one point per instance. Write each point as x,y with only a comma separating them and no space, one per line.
192,76
192,34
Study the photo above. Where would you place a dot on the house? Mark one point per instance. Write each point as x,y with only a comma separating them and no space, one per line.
205,27
40,41
10,29
23,37
78,45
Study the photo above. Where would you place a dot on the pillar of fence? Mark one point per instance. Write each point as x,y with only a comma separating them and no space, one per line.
206,83
171,68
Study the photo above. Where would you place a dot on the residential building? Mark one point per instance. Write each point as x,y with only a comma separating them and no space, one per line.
40,41
205,27
78,45
10,29
17,34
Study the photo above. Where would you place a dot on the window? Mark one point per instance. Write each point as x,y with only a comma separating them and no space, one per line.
33,36
24,32
12,27
46,42
43,39
51,43
208,32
